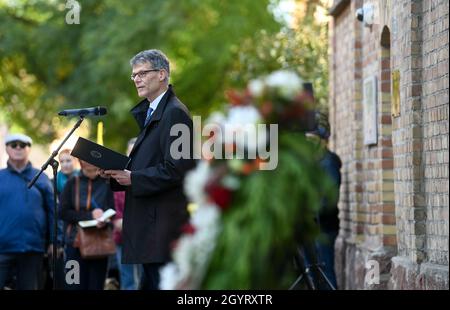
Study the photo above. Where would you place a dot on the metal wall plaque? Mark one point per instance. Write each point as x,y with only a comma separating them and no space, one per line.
395,98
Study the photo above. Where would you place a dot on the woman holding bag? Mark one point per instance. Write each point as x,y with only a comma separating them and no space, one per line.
85,197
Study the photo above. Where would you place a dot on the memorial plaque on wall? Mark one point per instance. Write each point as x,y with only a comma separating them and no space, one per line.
395,110
370,110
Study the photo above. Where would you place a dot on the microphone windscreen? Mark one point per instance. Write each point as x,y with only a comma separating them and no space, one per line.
101,111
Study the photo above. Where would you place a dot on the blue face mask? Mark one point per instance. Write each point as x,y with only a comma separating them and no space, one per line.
321,132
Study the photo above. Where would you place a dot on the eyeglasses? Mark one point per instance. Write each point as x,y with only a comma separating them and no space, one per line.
141,74
22,145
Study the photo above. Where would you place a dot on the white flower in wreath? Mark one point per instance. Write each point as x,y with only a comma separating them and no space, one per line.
241,115
195,182
170,277
241,127
256,87
216,118
287,83
178,273
206,217
193,252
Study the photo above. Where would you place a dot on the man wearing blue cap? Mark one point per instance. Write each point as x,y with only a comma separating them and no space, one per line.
26,217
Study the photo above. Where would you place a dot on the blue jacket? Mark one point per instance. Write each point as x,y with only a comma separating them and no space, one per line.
61,180
26,215
329,213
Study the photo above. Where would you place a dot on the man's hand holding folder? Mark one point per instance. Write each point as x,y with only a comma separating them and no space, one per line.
123,177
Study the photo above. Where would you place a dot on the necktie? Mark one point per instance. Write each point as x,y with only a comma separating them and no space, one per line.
149,115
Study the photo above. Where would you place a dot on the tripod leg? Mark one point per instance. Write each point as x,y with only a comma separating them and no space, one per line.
309,282
305,272
330,285
304,276
296,282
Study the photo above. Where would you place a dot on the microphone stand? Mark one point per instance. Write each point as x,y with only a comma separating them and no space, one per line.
52,162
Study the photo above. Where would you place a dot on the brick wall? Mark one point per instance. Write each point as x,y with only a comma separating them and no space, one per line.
394,194
420,146
345,121
435,100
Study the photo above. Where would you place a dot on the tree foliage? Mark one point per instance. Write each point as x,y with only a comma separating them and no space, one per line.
47,65
301,46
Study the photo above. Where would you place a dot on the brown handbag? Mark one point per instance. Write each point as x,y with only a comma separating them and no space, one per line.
95,242
92,242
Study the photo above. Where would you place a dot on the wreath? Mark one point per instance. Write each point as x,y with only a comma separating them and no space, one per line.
247,222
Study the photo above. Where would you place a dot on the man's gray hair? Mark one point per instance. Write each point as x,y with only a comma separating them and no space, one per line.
155,57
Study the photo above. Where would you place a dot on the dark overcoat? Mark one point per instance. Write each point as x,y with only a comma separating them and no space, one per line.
155,204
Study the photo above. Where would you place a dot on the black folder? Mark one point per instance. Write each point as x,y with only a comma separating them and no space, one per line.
99,155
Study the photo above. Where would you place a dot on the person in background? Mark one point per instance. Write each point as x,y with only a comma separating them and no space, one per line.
85,197
26,217
328,218
67,170
67,165
129,273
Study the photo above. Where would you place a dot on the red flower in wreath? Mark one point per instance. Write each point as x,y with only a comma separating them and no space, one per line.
220,195
238,97
188,229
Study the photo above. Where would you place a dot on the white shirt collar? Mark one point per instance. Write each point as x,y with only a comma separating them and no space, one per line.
154,103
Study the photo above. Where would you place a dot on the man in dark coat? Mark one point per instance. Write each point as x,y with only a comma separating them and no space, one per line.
328,218
155,205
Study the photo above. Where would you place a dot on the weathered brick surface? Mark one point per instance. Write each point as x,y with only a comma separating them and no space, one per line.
394,195
406,275
435,102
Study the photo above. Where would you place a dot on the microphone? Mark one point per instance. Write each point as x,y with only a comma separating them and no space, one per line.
84,111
